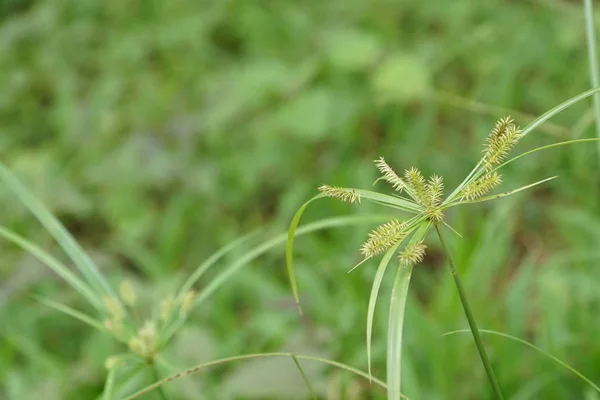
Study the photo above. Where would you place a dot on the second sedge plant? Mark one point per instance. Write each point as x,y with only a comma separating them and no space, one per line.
423,200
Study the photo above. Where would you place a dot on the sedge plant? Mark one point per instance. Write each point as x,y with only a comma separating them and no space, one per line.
421,207
145,330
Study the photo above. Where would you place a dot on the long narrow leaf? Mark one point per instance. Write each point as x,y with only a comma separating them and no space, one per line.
549,146
72,313
57,230
395,325
562,106
382,199
498,196
109,386
304,377
198,272
526,343
373,297
249,357
279,239
256,252
55,265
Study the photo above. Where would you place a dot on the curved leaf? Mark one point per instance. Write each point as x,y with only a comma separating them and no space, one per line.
155,385
526,343
59,268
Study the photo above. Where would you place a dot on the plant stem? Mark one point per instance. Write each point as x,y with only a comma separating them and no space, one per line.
160,389
590,34
472,324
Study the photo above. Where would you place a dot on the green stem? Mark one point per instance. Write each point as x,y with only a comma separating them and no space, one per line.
160,389
593,59
472,324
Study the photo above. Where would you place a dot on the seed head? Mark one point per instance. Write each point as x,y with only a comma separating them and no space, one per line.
114,309
343,194
389,175
413,254
114,326
481,186
383,237
187,302
137,346
127,293
113,362
166,306
435,189
500,142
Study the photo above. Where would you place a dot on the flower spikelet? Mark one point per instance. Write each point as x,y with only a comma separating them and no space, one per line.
481,186
389,175
343,194
500,142
383,237
435,190
413,254
415,180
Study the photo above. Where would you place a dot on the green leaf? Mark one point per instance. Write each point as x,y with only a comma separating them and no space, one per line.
72,313
526,343
378,198
57,230
562,106
373,297
109,385
55,265
396,320
201,367
395,325
498,196
545,148
202,268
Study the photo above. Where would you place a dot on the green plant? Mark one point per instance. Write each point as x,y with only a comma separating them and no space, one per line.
118,312
423,200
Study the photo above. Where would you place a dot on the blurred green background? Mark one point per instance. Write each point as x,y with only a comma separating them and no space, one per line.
158,131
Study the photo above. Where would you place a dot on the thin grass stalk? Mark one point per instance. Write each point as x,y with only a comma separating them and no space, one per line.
590,34
472,324
159,389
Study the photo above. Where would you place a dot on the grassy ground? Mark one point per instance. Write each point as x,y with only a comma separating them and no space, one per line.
159,131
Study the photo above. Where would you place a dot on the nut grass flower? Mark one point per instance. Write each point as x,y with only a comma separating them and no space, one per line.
427,207
383,237
481,186
343,194
500,142
412,254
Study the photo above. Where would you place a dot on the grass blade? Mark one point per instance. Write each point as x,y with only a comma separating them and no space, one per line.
109,386
562,106
289,249
382,199
590,34
395,325
545,148
202,268
201,367
304,378
498,196
279,239
373,298
59,268
94,323
531,345
58,231
261,249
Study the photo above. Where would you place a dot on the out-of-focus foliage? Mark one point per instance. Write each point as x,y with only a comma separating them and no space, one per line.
157,131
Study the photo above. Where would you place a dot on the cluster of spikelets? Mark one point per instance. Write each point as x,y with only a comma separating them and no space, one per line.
427,193
501,140
142,341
